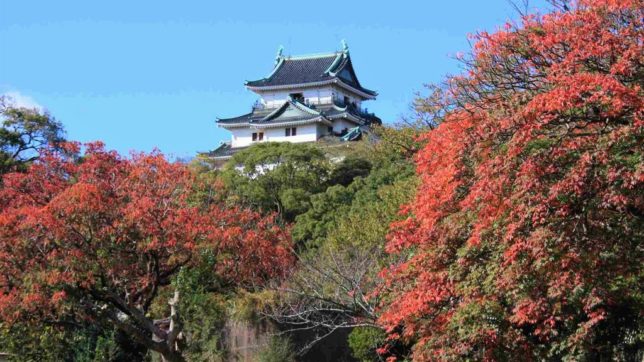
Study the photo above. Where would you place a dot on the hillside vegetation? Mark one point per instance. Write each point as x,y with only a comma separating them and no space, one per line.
502,222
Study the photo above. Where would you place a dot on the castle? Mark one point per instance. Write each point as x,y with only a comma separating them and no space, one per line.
304,99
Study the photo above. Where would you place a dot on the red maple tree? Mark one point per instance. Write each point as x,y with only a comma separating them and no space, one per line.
524,241
97,235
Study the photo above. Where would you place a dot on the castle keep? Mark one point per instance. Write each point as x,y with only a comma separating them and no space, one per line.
304,99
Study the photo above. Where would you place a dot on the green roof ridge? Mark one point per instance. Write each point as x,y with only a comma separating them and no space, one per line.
336,62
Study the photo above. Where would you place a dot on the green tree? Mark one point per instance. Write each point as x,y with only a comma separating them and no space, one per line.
330,209
342,238
279,177
364,341
312,227
348,169
24,133
204,311
69,341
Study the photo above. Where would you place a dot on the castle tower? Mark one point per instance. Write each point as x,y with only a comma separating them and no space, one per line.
303,99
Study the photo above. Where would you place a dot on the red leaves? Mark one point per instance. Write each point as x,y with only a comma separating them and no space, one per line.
439,168
72,227
59,296
524,235
255,248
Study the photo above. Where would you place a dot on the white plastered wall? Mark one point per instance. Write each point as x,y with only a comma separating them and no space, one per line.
242,137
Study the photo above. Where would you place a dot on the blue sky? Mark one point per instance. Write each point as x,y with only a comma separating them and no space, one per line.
145,74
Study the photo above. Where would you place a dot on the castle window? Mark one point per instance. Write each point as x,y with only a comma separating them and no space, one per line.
346,100
297,97
258,136
290,131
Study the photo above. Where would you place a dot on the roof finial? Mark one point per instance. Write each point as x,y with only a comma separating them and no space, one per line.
280,50
345,47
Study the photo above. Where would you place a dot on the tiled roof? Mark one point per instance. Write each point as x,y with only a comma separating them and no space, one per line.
312,69
224,150
289,111
298,71
295,111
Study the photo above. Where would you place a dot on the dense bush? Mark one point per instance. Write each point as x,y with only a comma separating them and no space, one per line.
364,342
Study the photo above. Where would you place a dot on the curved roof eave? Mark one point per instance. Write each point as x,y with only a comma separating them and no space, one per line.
365,93
320,119
233,125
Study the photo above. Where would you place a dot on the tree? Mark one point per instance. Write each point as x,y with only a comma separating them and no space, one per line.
277,177
78,342
24,133
348,169
402,140
99,238
312,227
365,341
341,251
524,241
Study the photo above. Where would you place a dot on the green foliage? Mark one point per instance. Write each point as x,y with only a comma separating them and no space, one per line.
295,201
25,343
374,207
342,238
245,305
277,176
24,133
364,341
202,311
71,342
366,206
106,349
397,143
348,169
280,349
313,226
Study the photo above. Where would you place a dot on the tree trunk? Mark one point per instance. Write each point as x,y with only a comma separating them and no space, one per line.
170,350
172,356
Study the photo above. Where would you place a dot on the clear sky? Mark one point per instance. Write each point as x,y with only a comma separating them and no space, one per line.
145,74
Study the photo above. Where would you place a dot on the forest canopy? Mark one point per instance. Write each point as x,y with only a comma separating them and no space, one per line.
503,220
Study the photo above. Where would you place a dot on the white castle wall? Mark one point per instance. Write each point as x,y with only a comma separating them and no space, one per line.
313,96
242,137
323,95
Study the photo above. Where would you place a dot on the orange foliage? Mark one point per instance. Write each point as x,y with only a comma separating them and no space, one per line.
79,231
524,240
